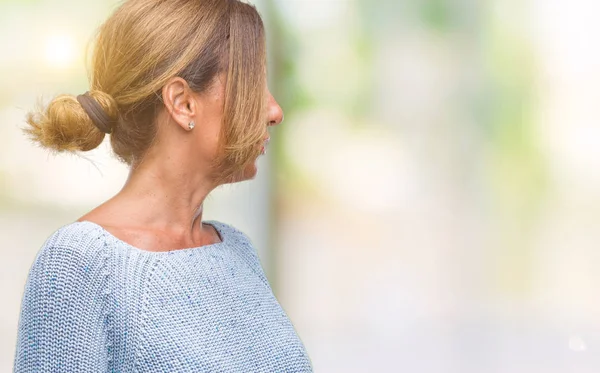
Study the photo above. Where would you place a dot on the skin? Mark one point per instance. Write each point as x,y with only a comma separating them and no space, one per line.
160,206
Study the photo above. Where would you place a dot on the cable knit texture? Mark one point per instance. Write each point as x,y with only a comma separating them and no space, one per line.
93,303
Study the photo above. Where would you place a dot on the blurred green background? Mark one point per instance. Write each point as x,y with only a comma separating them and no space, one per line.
430,203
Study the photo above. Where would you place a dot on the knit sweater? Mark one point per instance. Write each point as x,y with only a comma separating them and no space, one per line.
94,303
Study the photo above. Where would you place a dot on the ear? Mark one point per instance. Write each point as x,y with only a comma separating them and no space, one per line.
179,101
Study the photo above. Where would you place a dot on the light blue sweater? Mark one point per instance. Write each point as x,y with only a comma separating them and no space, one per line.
94,303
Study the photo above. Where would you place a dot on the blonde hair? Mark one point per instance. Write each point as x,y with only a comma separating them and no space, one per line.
138,49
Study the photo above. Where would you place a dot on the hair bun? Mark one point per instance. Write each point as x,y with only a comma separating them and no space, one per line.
96,112
64,125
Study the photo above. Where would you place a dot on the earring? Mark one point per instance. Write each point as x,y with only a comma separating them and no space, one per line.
191,125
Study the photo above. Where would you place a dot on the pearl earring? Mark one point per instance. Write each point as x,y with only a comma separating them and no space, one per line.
191,125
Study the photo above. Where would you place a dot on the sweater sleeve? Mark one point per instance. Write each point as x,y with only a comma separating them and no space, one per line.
62,321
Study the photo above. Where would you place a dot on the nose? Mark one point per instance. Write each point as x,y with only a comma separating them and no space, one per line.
275,114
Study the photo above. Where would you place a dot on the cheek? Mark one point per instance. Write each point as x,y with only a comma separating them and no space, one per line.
209,134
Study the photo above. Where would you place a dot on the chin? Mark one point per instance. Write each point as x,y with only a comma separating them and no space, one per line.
247,173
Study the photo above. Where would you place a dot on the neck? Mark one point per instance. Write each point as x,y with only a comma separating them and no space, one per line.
165,194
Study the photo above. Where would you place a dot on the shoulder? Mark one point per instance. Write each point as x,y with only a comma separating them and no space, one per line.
242,245
229,233
64,304
80,234
72,250
68,275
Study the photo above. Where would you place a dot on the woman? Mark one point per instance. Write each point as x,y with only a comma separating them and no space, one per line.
140,283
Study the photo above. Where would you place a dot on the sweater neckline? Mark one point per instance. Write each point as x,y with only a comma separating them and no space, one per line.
219,227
